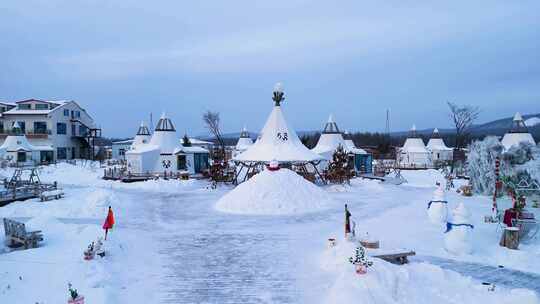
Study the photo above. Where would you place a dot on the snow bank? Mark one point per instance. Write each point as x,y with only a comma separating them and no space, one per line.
423,178
274,192
412,283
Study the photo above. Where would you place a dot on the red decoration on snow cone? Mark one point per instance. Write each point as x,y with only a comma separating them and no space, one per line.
273,165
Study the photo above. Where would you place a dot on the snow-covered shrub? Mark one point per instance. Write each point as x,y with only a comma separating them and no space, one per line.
481,164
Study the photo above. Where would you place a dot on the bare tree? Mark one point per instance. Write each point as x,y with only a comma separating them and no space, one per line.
463,118
212,120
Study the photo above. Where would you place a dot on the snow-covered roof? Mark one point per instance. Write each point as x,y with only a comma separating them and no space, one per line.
277,141
517,133
330,139
140,149
142,137
414,145
17,142
351,147
164,136
17,111
513,139
436,142
123,142
196,141
189,150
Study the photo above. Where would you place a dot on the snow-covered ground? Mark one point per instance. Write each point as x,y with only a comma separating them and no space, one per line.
171,245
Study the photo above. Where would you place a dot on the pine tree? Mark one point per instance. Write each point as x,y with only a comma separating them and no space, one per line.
338,170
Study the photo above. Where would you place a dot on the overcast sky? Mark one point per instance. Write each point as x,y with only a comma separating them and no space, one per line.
123,59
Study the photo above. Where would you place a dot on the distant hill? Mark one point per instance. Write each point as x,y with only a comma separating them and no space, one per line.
496,127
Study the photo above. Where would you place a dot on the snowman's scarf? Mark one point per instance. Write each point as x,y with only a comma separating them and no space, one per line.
450,225
431,202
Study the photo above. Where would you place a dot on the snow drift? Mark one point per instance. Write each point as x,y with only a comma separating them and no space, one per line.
274,192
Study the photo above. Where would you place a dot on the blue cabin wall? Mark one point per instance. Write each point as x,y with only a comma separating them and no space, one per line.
363,163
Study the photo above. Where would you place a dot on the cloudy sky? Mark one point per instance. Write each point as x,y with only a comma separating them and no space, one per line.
122,60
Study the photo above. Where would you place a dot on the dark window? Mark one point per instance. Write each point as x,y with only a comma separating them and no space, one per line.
73,153
182,164
1,127
25,106
78,113
21,157
82,130
22,124
40,127
122,152
73,130
46,156
66,112
61,128
61,153
42,106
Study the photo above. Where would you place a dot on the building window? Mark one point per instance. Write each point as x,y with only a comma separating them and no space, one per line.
182,163
42,106
61,128
66,112
40,127
1,127
82,131
122,152
21,157
78,114
61,153
25,106
22,125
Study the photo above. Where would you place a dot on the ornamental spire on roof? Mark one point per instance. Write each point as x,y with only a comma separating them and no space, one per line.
278,95
244,133
435,133
518,125
412,132
165,124
331,126
143,129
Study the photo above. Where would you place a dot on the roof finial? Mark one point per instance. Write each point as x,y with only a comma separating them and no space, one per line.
278,94
331,118
413,127
518,117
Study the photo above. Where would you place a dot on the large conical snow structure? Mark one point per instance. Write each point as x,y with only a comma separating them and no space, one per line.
414,152
517,133
437,207
351,147
458,238
142,137
277,140
437,147
244,142
164,136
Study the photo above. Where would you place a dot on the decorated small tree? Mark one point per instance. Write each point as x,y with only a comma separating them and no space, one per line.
74,296
338,170
360,261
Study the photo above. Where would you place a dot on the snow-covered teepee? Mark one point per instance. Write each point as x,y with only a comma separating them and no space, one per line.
331,138
517,133
244,142
142,137
414,153
277,141
437,147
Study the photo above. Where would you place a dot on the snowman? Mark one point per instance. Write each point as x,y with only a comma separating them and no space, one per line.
437,207
457,238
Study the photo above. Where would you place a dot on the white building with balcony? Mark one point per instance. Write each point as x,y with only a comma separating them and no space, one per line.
64,126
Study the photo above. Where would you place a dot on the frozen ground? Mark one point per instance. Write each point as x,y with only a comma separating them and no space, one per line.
172,246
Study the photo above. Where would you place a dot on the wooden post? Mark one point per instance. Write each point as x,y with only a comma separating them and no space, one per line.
510,238
347,222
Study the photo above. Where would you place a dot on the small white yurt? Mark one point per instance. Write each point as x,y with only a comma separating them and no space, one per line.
277,140
244,142
517,133
331,138
143,136
439,151
414,153
156,156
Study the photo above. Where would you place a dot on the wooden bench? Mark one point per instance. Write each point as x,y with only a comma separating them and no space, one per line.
52,194
393,256
16,235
